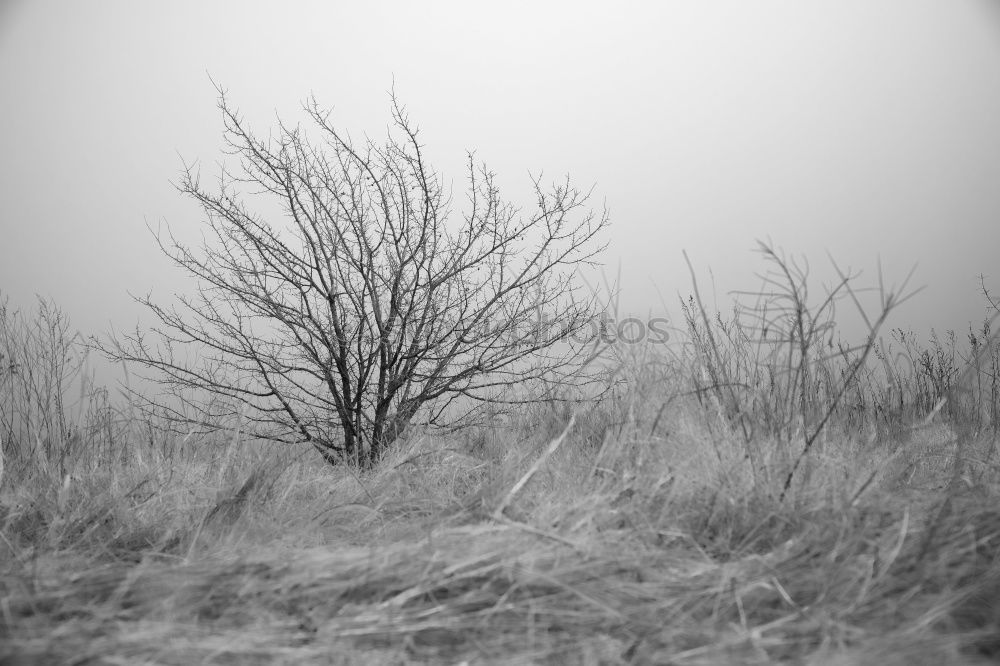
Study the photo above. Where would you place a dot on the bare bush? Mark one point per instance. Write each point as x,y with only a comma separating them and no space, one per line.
371,302
41,359
776,365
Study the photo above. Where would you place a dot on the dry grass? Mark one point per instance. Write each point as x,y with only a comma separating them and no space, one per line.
658,554
653,527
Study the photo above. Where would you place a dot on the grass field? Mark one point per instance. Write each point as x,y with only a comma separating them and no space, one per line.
720,504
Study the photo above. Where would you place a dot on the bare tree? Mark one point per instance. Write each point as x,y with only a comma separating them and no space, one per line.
372,300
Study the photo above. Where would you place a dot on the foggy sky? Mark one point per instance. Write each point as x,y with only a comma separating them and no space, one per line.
861,128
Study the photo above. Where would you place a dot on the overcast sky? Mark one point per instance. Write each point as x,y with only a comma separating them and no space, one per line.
857,127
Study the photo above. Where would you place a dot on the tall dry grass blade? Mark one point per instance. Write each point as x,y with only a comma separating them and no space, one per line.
553,446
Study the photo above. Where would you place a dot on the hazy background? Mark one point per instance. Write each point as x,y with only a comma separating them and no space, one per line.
860,128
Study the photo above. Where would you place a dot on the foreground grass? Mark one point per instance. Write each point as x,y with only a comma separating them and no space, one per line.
622,546
753,499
